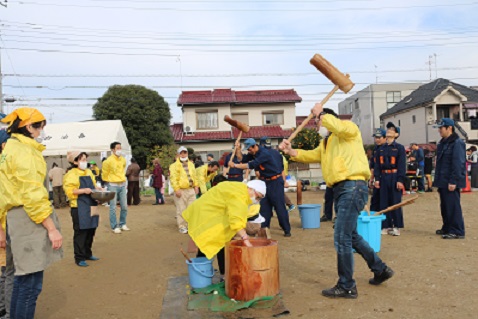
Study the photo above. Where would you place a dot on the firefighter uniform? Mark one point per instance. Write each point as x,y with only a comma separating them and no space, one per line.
234,174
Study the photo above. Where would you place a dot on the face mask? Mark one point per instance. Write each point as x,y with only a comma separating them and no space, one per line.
118,153
82,165
40,137
183,159
323,131
254,200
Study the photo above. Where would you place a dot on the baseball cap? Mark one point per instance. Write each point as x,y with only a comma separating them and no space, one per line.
248,143
3,136
92,163
181,149
265,141
444,122
257,185
397,128
379,132
72,155
210,155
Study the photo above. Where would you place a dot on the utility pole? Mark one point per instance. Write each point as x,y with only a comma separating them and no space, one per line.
436,69
430,65
1,83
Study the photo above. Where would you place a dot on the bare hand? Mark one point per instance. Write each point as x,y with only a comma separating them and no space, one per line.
370,183
178,193
285,146
237,145
196,190
247,243
317,109
400,186
3,238
377,184
55,238
87,191
230,164
451,187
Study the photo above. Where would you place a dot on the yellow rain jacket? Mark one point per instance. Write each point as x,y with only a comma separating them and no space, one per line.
22,173
344,158
203,177
217,216
71,181
286,165
179,178
114,169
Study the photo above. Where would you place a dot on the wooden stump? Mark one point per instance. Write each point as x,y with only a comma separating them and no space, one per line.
252,272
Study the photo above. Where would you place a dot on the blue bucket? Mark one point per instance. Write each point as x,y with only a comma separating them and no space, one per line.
370,228
200,272
310,215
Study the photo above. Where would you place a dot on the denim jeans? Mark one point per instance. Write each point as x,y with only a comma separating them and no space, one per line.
350,198
121,194
159,196
26,290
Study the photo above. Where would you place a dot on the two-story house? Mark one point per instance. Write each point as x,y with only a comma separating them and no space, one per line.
367,105
268,113
417,112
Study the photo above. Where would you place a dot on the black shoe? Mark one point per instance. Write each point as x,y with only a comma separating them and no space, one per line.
430,190
287,234
439,232
325,219
452,236
337,292
383,276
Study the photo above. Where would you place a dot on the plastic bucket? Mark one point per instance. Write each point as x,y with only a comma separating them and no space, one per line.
200,272
310,215
370,228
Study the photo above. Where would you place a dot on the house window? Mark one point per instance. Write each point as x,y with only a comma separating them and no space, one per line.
414,119
393,97
241,117
207,120
273,118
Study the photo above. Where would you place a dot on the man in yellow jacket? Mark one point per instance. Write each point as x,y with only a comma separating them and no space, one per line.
345,169
113,172
205,174
185,185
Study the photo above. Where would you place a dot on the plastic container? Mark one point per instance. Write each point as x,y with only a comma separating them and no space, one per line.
370,228
200,272
310,215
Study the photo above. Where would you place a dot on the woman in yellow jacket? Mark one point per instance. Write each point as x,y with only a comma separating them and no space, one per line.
33,228
78,184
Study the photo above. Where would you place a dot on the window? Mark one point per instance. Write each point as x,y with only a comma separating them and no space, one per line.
206,120
393,97
241,117
273,118
414,119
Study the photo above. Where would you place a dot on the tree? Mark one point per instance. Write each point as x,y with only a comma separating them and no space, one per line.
166,155
144,113
307,139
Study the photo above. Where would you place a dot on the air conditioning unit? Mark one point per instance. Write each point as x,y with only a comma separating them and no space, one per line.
188,130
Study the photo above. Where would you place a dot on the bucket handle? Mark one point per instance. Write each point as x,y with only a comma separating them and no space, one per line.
201,271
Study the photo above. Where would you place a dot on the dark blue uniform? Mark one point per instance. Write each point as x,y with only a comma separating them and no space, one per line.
420,159
390,168
268,163
234,174
375,201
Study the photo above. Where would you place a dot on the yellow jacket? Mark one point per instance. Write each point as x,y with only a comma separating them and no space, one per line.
203,177
217,216
344,158
96,170
22,174
178,177
286,165
114,169
71,181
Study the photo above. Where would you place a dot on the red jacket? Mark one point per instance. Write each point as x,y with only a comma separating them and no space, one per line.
158,176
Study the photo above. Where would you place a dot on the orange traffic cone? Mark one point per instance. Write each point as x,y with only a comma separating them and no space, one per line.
468,185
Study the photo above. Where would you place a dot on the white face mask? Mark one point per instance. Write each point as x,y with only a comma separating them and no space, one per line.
82,165
183,159
40,137
254,200
323,131
118,153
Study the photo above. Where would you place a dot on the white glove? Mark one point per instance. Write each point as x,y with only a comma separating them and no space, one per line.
245,181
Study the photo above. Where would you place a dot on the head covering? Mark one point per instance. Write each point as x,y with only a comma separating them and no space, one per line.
92,163
210,155
181,149
257,185
3,136
380,132
265,141
27,115
330,111
248,143
413,143
444,122
71,155
397,128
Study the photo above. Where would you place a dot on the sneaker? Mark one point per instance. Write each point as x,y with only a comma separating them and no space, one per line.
452,236
117,230
291,208
338,292
82,264
94,258
183,230
421,192
287,234
394,232
124,227
383,276
439,232
324,219
430,190
385,231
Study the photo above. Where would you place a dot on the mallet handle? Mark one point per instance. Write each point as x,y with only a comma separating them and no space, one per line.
405,202
235,147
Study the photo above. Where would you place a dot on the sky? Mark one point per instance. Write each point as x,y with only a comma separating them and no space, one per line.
61,55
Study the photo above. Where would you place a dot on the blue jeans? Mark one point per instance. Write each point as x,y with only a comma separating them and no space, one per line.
26,290
121,194
350,198
159,196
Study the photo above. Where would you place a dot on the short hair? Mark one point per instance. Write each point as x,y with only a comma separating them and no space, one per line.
133,160
14,129
330,111
218,179
113,145
213,163
54,165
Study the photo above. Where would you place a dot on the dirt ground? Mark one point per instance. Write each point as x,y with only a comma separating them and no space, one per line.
435,278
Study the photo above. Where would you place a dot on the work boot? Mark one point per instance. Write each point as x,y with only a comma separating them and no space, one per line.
338,292
383,276
324,219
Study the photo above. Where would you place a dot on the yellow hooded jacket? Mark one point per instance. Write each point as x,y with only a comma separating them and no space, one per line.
22,173
344,158
179,178
71,181
217,216
114,169
203,177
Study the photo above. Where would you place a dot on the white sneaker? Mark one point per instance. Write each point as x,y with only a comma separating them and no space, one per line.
385,231
394,232
183,230
117,230
124,227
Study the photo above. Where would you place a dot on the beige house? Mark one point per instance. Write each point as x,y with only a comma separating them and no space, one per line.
367,105
417,112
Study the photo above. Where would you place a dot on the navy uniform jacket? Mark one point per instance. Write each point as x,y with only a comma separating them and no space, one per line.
419,157
232,171
450,164
390,157
371,163
267,161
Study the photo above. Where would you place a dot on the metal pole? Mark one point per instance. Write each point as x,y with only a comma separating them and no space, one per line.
1,83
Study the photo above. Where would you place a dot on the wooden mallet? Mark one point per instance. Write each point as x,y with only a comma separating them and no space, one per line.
405,202
340,80
242,127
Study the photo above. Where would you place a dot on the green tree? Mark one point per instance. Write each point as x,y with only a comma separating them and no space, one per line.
166,155
144,113
307,139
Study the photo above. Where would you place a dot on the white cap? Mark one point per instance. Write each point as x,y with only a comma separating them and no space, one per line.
182,148
257,185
